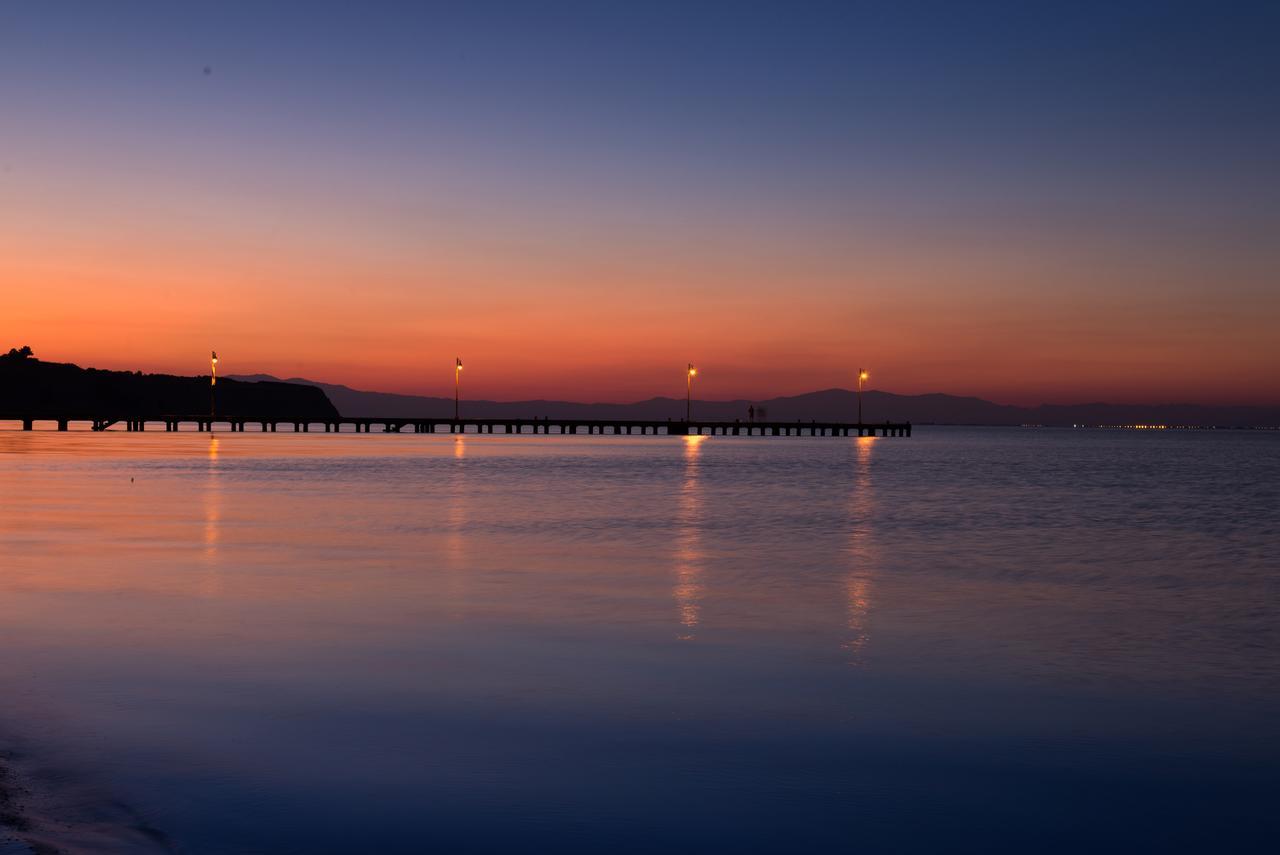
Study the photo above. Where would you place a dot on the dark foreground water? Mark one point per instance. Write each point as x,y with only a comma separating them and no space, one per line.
971,640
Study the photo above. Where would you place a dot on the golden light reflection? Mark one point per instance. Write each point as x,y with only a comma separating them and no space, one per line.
688,589
211,581
859,582
457,515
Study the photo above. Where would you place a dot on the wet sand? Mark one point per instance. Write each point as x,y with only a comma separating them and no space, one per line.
43,812
15,825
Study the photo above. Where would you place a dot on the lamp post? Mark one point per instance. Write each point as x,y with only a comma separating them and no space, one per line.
457,381
688,393
213,383
862,376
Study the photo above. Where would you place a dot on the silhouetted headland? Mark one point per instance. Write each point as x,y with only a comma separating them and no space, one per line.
33,387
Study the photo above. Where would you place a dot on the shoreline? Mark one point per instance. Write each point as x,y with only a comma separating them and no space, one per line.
14,822
67,817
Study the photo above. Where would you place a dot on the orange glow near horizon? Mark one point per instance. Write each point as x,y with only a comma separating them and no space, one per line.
621,340
769,311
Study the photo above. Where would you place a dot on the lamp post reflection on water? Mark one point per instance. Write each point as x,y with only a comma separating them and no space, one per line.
861,555
210,583
688,587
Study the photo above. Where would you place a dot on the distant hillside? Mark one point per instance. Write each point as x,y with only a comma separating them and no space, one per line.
826,405
29,386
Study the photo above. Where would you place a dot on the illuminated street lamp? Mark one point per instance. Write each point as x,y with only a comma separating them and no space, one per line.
688,392
213,382
862,377
457,381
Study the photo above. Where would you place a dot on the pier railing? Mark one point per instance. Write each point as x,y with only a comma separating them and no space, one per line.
527,427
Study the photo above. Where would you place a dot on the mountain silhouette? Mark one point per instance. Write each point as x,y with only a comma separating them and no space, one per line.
824,405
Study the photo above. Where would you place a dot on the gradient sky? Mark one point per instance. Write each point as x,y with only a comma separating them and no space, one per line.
1062,203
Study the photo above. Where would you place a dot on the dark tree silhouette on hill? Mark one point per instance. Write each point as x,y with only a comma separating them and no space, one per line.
23,352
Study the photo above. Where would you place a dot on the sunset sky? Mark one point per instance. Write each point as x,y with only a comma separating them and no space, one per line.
1068,203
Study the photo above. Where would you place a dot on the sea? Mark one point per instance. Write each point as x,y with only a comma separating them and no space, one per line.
969,640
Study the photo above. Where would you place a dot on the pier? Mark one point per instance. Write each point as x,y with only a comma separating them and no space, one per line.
502,426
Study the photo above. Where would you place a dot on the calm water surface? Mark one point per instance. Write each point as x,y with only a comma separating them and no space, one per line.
965,641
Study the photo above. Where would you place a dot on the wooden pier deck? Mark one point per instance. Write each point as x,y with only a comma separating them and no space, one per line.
525,427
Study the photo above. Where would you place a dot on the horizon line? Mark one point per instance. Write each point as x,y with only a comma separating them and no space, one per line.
1095,403
746,400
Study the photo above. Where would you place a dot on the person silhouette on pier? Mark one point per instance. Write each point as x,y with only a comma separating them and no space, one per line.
751,413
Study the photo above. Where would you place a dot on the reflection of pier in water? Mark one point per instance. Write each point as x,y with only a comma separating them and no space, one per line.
689,555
